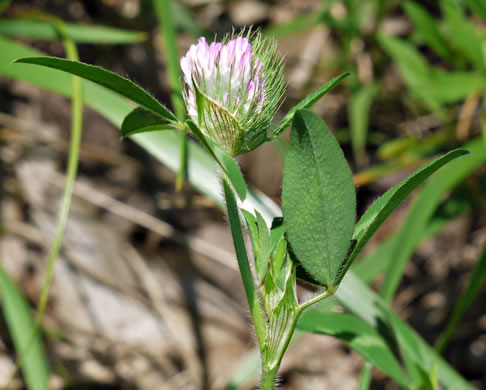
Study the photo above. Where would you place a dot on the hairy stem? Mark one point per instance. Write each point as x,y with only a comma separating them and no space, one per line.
269,377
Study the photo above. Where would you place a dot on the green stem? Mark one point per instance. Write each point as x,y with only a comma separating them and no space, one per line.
244,265
165,17
72,168
269,377
317,298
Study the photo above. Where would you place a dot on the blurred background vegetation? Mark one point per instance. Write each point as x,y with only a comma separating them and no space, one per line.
146,294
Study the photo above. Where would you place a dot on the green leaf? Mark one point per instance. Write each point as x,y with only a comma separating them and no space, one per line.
462,33
308,102
359,336
428,28
20,325
104,78
423,208
360,300
225,161
473,286
359,111
383,207
36,29
375,263
141,121
318,198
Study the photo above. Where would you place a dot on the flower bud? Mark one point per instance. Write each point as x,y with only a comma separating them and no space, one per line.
233,89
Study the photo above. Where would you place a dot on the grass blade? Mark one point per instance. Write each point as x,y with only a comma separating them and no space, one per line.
104,78
428,28
384,206
360,300
473,286
71,171
94,34
20,325
358,335
422,210
359,110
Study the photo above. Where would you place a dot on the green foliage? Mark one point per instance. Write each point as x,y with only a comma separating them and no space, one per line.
428,28
462,34
141,120
318,198
94,34
308,102
455,75
359,108
359,336
104,78
422,209
17,315
361,301
384,206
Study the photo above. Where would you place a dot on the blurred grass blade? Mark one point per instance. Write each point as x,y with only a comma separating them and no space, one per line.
422,209
360,300
375,263
298,24
225,161
473,286
247,370
462,33
63,213
428,28
21,326
359,336
447,87
384,206
414,68
185,19
96,34
163,10
104,78
142,121
359,111
308,102
413,353
365,377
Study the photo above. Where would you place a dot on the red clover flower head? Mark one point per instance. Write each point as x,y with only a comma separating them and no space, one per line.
233,89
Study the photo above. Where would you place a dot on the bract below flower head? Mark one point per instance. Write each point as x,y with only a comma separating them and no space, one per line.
233,89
